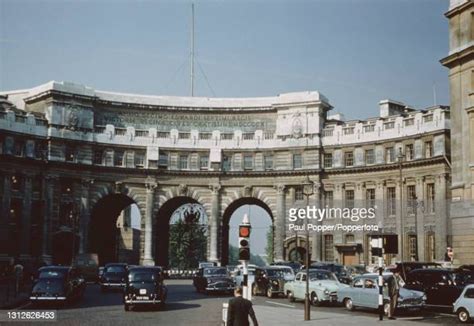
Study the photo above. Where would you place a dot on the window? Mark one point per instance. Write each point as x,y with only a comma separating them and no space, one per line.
162,134
328,247
19,148
430,198
349,198
299,195
163,160
390,155
204,162
369,128
370,198
411,200
329,198
328,132
183,162
226,163
409,153
369,156
184,135
469,293
391,201
350,238
98,156
205,135
139,159
349,131
428,118
328,160
227,136
409,122
248,136
389,125
358,283
348,158
70,154
412,246
297,161
248,162
118,158
428,149
268,161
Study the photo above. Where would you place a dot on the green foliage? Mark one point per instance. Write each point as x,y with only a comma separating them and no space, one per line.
269,247
188,244
234,257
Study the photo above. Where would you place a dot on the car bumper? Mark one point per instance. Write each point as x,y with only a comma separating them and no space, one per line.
38,298
219,288
329,298
401,305
142,301
113,285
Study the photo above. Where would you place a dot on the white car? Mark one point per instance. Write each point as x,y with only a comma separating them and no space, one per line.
463,307
239,276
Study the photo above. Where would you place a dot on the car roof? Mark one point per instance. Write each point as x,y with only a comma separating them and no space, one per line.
54,267
434,270
315,270
115,264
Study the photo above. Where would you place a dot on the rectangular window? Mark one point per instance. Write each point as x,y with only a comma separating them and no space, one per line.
70,154
183,162
118,158
328,247
412,246
204,162
409,122
350,238
248,162
19,148
162,134
98,157
268,161
370,198
409,152
205,135
389,125
430,198
391,201
227,136
328,132
428,118
369,156
248,136
411,199
184,135
349,199
299,195
349,131
369,128
163,160
297,161
329,198
226,163
428,149
390,155
349,159
328,160
139,159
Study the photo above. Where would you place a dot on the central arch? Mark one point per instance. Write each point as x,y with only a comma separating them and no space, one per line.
226,221
162,227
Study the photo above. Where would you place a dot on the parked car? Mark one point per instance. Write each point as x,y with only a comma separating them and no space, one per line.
341,272
239,275
293,264
403,268
207,264
144,286
468,270
113,277
323,287
57,284
88,266
464,305
213,279
364,292
442,286
271,280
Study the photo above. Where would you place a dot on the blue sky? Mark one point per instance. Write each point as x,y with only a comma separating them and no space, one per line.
354,52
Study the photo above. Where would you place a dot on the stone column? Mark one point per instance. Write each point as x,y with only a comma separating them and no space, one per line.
4,210
49,183
316,248
25,237
84,215
420,219
280,225
441,211
400,224
214,235
150,199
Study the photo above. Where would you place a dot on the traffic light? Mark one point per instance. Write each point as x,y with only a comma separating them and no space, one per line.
244,242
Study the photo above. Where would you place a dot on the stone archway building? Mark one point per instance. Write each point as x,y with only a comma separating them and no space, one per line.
66,145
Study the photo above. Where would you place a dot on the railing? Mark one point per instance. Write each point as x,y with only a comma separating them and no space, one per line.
141,133
181,273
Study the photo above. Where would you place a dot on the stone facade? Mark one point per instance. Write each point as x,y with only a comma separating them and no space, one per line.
73,157
460,62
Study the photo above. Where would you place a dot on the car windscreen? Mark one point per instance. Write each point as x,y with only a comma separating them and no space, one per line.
114,269
147,277
215,271
317,276
280,272
52,273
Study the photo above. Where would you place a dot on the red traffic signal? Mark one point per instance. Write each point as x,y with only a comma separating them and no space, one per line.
244,231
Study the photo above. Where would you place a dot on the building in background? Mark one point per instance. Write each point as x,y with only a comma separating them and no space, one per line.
460,62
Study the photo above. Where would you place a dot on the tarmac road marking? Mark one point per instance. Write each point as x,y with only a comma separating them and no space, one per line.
281,304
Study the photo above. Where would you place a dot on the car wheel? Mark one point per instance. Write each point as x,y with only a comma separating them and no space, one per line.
290,296
269,292
463,315
126,307
349,304
315,300
386,308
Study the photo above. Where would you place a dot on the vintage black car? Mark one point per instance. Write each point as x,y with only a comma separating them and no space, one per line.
144,286
271,280
113,277
57,284
213,279
341,272
442,286
403,268
293,264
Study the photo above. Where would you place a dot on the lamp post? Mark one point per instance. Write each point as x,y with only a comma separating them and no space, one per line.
307,191
400,165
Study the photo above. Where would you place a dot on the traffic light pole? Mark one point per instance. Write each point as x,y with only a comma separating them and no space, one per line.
244,253
246,280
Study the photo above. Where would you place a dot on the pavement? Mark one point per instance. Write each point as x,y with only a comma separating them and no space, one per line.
8,299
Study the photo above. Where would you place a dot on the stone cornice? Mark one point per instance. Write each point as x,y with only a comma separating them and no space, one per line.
459,9
453,59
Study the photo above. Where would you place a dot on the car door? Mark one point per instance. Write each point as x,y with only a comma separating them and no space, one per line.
356,291
370,293
258,281
298,286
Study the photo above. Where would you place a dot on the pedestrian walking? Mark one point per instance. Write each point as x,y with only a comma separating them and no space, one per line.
393,293
239,310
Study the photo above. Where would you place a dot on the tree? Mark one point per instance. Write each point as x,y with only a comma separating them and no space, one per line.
188,243
269,247
234,257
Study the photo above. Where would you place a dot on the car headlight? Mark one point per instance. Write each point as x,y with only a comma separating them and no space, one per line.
326,291
424,297
275,282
